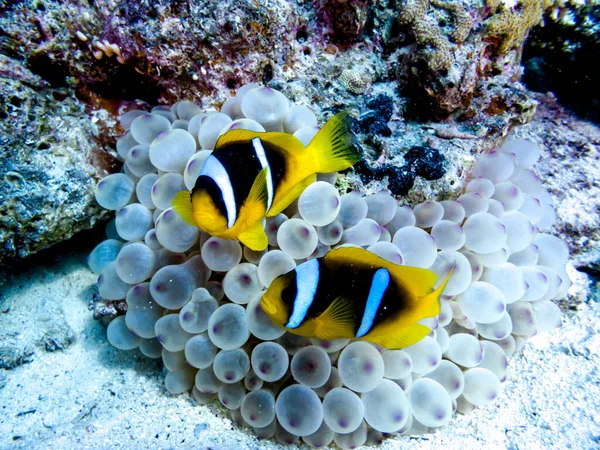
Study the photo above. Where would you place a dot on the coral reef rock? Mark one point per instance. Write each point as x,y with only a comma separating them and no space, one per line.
49,162
445,55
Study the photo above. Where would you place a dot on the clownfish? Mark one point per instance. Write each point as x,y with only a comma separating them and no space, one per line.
353,293
251,175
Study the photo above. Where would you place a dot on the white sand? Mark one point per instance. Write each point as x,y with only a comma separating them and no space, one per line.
94,396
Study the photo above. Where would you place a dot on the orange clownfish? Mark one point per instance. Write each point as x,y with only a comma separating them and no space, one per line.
353,293
251,175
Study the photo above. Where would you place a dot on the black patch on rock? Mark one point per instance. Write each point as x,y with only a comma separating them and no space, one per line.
372,123
376,119
383,104
426,162
400,179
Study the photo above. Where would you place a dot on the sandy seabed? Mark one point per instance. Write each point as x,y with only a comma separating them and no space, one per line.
91,395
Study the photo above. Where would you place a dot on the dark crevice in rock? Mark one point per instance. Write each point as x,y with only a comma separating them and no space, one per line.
558,58
593,270
48,69
83,241
267,73
127,84
422,106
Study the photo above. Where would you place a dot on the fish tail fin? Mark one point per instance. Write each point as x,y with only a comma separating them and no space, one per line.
182,205
334,147
401,333
432,298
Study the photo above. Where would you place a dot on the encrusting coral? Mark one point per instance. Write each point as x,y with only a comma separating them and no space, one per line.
514,21
194,300
429,34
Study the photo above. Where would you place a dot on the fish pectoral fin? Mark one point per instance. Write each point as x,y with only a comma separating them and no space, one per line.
254,237
182,204
282,203
393,337
337,321
255,204
253,211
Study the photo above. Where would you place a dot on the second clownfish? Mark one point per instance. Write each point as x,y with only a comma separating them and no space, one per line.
352,293
252,175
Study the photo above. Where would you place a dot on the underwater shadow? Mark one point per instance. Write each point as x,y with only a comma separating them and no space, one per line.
112,358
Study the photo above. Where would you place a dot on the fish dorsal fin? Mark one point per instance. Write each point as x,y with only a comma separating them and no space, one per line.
279,204
236,136
182,204
392,336
254,237
337,321
283,141
419,282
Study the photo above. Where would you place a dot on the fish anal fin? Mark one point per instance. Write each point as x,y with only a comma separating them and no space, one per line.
279,204
182,205
392,336
254,237
337,321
